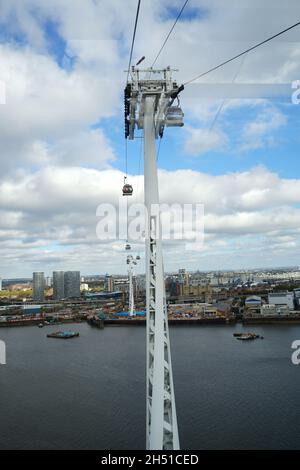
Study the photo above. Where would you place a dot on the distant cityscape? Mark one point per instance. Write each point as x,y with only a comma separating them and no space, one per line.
223,296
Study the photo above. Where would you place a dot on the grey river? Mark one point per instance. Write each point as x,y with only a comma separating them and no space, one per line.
89,392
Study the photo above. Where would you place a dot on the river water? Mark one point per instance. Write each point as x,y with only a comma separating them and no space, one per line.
89,392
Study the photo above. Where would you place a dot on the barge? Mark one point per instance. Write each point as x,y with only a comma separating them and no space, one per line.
63,334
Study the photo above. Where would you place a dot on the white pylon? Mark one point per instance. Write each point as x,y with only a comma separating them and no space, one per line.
131,294
131,263
148,105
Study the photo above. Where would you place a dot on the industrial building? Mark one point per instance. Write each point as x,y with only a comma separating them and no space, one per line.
196,310
274,310
103,295
282,299
31,309
253,301
297,298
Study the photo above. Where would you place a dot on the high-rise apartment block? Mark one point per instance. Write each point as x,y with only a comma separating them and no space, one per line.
72,284
58,285
38,286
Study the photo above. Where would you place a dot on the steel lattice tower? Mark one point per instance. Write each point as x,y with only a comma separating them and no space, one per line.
131,261
149,106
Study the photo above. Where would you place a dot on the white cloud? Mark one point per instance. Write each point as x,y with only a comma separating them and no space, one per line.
200,141
51,215
256,134
48,112
264,123
86,148
55,164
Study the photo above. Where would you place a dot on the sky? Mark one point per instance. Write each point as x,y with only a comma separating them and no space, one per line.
62,137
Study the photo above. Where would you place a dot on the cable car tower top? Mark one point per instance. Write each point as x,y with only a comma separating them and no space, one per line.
159,85
148,99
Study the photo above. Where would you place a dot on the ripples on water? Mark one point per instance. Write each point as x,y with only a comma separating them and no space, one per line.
89,392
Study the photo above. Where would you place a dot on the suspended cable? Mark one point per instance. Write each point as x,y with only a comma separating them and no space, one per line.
169,33
224,100
129,65
138,181
242,53
139,165
133,37
126,158
126,221
158,150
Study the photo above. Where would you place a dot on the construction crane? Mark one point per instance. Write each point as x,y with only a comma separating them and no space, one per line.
149,105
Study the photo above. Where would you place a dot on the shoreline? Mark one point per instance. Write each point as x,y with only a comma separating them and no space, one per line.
291,320
295,320
33,322
173,321
213,321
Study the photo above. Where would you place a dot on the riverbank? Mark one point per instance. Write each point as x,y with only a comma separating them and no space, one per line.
172,321
282,320
32,322
126,322
279,320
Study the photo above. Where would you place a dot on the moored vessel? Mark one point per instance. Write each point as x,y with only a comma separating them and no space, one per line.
63,334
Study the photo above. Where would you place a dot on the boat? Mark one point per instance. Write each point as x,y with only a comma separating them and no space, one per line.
63,334
247,336
40,325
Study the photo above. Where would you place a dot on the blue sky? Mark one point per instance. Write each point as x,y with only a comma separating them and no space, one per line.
63,66
172,154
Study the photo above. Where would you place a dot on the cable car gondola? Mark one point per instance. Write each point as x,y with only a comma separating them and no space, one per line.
174,116
127,188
